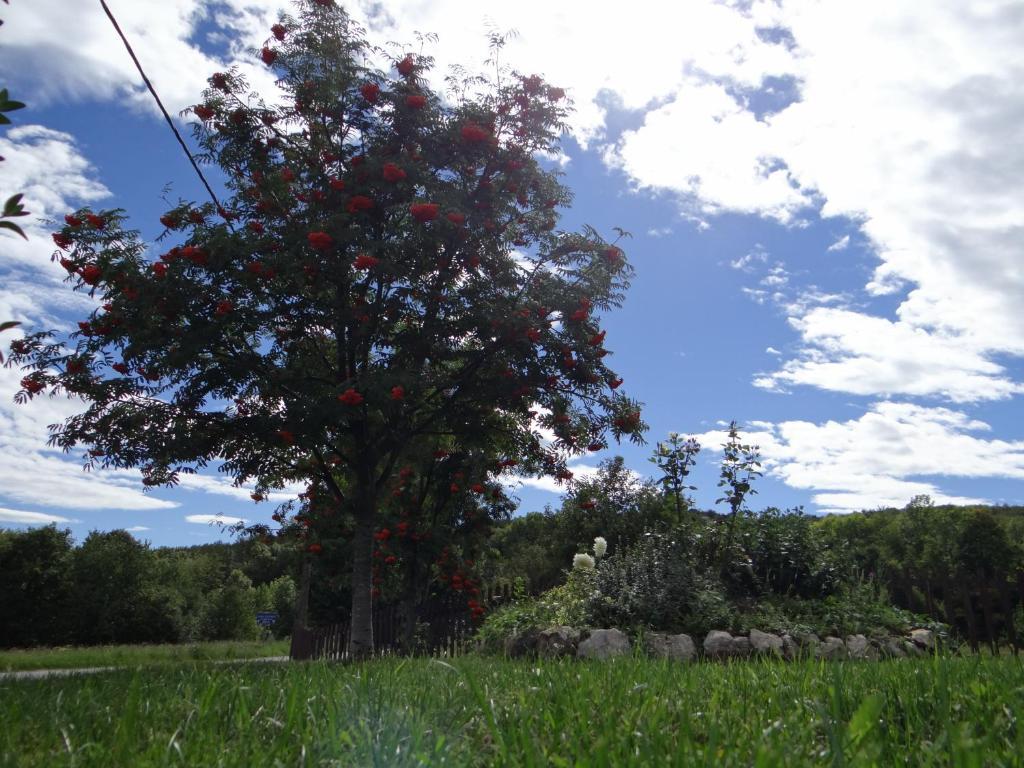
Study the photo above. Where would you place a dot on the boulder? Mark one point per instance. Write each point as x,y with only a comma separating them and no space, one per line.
859,647
604,644
741,647
718,644
522,643
558,641
831,648
790,649
765,643
912,649
923,638
677,647
892,648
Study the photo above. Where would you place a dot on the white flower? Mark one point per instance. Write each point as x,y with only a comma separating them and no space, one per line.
582,561
600,547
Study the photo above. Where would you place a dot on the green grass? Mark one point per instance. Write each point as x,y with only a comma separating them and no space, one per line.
475,711
134,655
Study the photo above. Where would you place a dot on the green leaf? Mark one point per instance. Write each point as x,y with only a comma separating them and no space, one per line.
4,120
8,324
866,717
13,227
13,205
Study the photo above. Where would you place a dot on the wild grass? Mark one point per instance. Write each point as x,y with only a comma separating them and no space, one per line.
483,712
134,655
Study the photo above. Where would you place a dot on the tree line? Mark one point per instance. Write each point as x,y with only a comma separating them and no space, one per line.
112,588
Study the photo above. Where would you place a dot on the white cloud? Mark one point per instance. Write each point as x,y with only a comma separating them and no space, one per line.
840,245
772,351
550,484
18,517
749,261
137,529
892,452
659,231
214,519
221,486
847,351
914,142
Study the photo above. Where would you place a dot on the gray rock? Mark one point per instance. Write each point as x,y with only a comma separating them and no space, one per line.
765,643
912,649
807,640
523,643
718,644
892,648
741,647
858,647
790,649
923,638
604,644
831,648
558,641
677,647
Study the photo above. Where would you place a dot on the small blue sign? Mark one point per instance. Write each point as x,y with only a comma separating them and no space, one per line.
267,618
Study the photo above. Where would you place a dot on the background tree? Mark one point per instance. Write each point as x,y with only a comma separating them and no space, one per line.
675,458
35,581
115,595
740,466
388,269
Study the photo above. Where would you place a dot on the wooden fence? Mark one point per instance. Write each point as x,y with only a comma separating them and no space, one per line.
443,628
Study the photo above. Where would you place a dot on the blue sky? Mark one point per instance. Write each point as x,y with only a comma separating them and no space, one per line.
825,205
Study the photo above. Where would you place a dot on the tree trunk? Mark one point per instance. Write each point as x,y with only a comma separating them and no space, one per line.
972,625
986,611
1006,603
301,644
361,616
947,603
409,605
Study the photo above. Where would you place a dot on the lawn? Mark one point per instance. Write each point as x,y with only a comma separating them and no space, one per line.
133,655
473,711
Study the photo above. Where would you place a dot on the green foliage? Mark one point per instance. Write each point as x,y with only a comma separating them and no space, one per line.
653,583
36,586
114,589
675,458
740,467
115,595
613,503
230,611
279,595
385,279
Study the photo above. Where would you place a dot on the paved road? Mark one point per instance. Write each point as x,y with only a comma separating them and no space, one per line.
36,674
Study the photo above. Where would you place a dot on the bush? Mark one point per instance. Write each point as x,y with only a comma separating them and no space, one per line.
651,584
230,611
567,604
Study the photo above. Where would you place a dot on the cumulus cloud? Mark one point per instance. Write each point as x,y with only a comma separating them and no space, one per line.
550,484
891,453
847,351
915,143
221,486
214,519
19,517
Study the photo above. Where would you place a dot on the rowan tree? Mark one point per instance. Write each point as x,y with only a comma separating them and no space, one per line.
386,272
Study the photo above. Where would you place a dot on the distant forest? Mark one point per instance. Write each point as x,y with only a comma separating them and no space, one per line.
963,566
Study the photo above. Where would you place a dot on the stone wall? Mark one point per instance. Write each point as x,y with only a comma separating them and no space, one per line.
557,642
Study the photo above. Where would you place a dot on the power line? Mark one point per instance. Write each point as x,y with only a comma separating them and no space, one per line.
160,104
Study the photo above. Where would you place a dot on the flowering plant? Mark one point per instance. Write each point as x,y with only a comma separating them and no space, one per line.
366,250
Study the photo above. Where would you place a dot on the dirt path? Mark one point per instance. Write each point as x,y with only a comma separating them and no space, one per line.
36,674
